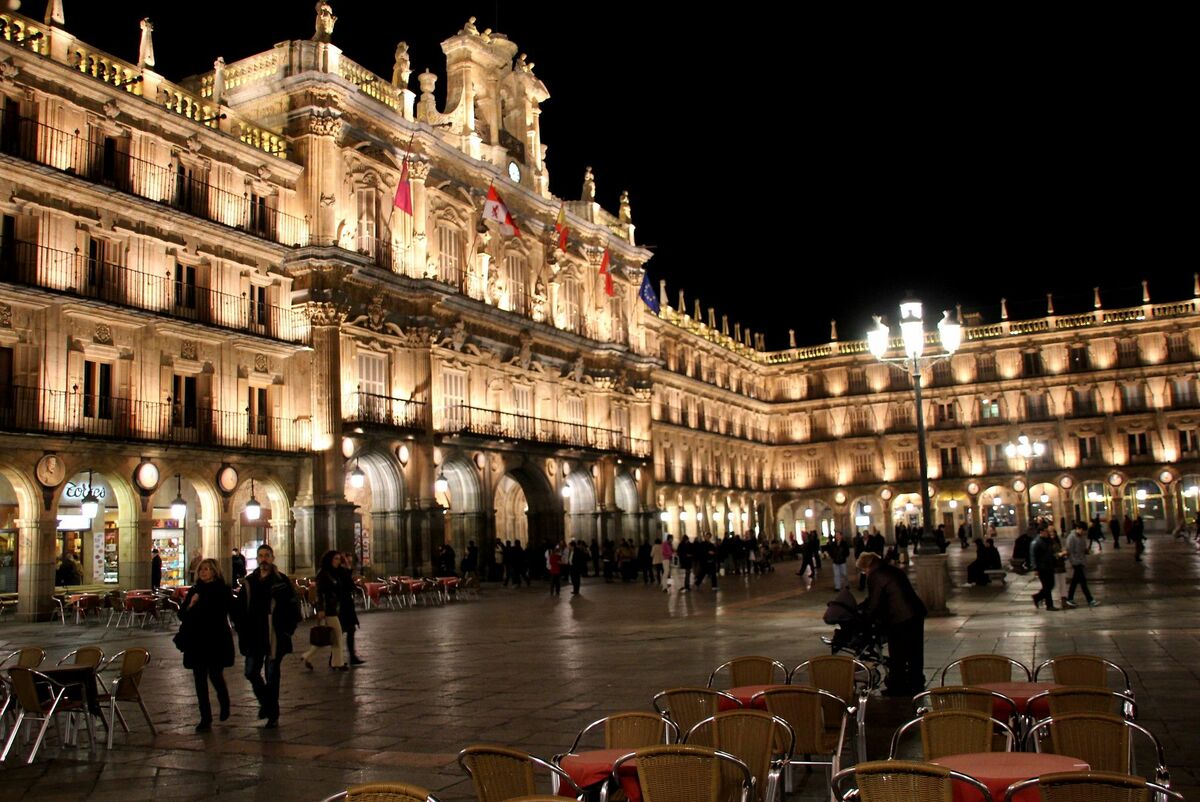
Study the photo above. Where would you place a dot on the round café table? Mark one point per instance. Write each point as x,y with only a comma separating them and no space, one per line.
588,769
743,693
1020,692
373,590
998,770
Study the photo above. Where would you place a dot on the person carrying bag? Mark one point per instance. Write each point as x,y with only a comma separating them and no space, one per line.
328,630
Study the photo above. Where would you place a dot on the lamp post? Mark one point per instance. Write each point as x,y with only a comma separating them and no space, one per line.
1026,449
913,362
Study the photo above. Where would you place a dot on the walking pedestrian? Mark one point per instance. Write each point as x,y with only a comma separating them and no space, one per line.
265,613
1095,534
155,570
668,562
554,561
237,565
329,599
685,553
205,639
1114,526
839,552
1077,551
347,615
193,565
1043,556
579,562
1139,538
809,549
706,560
656,561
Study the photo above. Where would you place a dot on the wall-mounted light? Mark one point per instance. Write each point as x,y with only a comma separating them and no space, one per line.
866,508
953,504
90,506
253,509
664,516
358,479
566,491
808,512
1045,498
178,506
441,484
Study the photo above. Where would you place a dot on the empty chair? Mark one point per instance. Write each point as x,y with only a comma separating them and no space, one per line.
1084,670
29,657
954,732
903,781
1073,699
979,669
499,774
386,792
751,670
1093,786
962,697
627,731
686,707
42,705
677,773
803,708
849,680
765,743
129,665
1102,741
91,656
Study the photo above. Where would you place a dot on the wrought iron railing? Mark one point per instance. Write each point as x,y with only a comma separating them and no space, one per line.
463,419
383,410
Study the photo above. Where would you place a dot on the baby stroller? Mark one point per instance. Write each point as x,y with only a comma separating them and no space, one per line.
854,634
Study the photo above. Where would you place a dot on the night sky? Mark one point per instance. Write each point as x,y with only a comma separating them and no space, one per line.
790,168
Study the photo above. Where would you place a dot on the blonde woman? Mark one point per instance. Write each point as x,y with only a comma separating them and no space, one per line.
329,581
205,638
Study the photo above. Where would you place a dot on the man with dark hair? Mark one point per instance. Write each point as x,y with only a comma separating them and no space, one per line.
895,606
237,565
1044,560
265,613
155,569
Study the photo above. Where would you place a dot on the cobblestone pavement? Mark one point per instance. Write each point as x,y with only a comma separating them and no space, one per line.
527,670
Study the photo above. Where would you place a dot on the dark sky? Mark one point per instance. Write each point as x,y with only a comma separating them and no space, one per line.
790,168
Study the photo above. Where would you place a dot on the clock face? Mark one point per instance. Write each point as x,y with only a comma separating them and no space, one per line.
227,479
514,172
147,476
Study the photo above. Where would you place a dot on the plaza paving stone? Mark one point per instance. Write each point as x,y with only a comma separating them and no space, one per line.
521,668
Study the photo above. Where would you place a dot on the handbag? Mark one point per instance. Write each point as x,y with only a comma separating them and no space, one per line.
181,639
320,635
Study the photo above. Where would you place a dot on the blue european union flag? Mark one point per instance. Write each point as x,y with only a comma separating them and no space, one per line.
647,294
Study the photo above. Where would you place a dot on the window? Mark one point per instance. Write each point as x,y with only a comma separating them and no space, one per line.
1031,363
858,381
1178,347
572,416
1183,393
864,464
948,458
1127,354
454,398
1083,402
97,390
372,384
185,287
257,411
367,199
191,189
8,241
996,459
99,262
1139,445
860,420
184,406
1089,447
258,305
1133,398
514,283
944,413
1079,359
261,219
1036,407
989,409
942,375
523,410
449,253
902,415
570,297
906,461
985,367
1189,441
813,471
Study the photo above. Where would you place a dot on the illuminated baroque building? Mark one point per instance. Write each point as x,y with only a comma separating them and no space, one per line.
208,300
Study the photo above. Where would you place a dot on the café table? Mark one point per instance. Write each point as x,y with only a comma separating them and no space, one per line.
744,693
446,584
591,768
1020,692
80,683
373,591
75,602
998,770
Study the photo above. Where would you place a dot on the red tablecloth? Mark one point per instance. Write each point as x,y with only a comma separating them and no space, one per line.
1020,692
373,590
743,693
998,770
591,768
448,581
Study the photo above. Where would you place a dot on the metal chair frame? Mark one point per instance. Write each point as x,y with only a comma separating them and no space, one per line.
557,775
1010,736
672,727
378,790
836,783
1162,775
775,664
24,658
127,686
700,751
772,790
665,712
859,708
1161,792
1128,705
1108,664
834,763
86,649
45,711
1029,676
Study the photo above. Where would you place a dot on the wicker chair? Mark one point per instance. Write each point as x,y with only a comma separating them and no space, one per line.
627,731
1093,786
903,781
751,670
978,669
676,773
500,774
387,792
1104,742
32,705
1062,701
803,708
29,657
953,732
849,680
765,743
980,700
686,707
130,664
1083,670
92,656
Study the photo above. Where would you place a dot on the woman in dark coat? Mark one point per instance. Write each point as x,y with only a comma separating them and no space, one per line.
330,593
347,617
207,639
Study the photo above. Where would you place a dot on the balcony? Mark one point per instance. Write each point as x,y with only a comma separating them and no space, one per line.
34,410
1038,414
462,419
78,276
381,410
102,162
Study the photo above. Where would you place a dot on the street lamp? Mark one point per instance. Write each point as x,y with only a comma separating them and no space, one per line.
178,506
253,509
913,362
1026,449
358,479
90,506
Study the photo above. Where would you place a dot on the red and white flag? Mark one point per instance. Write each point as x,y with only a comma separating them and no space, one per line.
495,210
403,200
560,225
608,279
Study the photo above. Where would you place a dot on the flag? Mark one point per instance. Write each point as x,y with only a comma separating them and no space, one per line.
403,200
560,225
608,279
495,210
646,293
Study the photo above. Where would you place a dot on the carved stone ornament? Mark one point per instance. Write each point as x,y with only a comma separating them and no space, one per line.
188,350
420,337
193,143
324,100
111,110
327,199
8,71
5,316
325,313
103,334
263,172
418,170
325,125
260,363
376,318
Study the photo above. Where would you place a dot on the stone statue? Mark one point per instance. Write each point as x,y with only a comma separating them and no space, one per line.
589,186
401,69
325,22
146,47
524,357
457,338
625,212
576,372
470,27
538,301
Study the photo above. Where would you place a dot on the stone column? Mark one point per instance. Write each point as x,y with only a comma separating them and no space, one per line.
933,582
35,566
319,152
418,171
304,540
211,542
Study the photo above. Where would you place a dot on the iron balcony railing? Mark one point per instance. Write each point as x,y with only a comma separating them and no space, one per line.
168,294
383,410
463,419
78,414
104,162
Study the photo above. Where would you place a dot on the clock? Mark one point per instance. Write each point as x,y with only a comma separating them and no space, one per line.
227,479
514,172
146,476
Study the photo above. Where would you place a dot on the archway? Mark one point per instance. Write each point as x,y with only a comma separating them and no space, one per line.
264,516
97,527
625,491
1098,500
1044,503
580,505
907,510
866,512
178,530
18,509
1189,491
998,504
375,486
512,512
464,505
1144,498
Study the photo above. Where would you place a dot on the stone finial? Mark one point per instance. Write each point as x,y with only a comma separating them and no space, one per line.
1004,309
696,314
749,335
1096,297
833,331
791,338
712,318
1049,303
662,292
1145,291
725,324
589,187
146,46
325,22
1196,285
427,105
218,81
760,341
737,331
54,13
682,304
958,312
624,210
401,67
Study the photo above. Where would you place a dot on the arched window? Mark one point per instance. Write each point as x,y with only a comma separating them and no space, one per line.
570,302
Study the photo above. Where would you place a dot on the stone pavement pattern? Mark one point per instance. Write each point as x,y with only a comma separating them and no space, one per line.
526,670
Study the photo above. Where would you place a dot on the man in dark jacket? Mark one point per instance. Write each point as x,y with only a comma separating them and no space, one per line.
237,565
155,569
1042,556
839,551
265,614
895,606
